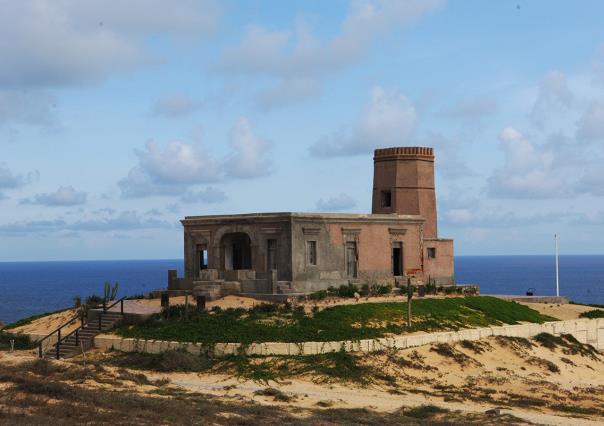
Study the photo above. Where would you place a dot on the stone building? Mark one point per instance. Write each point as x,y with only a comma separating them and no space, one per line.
285,253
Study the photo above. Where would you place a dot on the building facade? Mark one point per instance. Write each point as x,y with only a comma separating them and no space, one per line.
285,253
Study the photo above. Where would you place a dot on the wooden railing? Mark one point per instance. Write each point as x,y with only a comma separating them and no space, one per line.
83,322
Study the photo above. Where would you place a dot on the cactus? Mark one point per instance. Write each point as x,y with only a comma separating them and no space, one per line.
106,291
114,291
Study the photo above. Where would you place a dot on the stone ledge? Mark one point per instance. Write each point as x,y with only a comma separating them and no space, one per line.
584,330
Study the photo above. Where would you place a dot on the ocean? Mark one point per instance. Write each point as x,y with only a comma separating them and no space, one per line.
29,288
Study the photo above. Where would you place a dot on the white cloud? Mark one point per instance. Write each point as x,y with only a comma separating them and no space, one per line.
388,119
527,171
337,203
30,107
249,153
208,195
289,91
173,170
10,180
300,53
449,160
591,124
553,93
473,107
63,42
168,171
64,196
598,66
125,221
175,106
179,163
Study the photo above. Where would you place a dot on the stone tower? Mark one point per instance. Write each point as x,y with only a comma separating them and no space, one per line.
403,183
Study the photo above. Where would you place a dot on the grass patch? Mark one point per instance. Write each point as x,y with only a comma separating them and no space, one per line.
448,351
275,393
568,343
21,341
168,361
595,313
336,366
343,322
575,409
425,411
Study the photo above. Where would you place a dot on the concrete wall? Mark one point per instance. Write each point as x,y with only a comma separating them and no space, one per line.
440,269
373,236
584,330
209,230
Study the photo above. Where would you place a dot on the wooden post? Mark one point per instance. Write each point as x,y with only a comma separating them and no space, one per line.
186,306
409,296
201,303
165,302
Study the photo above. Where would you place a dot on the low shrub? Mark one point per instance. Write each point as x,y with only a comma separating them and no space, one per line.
596,313
318,295
450,289
364,290
347,290
168,361
21,341
424,411
381,289
275,393
264,308
93,300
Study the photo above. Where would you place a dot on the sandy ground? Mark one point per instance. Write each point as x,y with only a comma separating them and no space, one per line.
561,311
48,323
151,306
482,381
494,372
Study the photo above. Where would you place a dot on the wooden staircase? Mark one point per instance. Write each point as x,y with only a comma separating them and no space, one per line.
82,338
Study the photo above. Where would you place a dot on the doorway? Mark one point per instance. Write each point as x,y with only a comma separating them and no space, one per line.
397,258
351,259
202,257
237,251
271,254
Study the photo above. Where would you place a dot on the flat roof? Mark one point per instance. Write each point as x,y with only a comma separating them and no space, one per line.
303,215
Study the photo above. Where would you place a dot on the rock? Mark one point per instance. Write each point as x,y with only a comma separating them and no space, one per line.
493,412
357,296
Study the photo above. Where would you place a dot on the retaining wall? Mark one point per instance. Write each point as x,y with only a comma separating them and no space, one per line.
584,330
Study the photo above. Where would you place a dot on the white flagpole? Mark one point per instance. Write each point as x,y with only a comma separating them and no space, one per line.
557,276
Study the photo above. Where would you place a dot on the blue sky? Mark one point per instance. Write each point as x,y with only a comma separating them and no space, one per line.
119,118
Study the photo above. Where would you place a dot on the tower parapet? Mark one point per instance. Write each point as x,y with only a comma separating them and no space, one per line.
403,183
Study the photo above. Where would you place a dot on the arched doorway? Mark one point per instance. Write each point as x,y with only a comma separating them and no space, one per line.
236,249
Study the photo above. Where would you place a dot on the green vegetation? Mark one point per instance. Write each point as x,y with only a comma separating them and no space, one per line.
21,341
424,411
567,343
593,305
596,313
269,322
576,409
336,366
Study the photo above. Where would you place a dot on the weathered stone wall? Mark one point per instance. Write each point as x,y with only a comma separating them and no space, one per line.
440,269
584,330
373,237
209,230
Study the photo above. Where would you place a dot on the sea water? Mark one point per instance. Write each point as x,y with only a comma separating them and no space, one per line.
28,288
